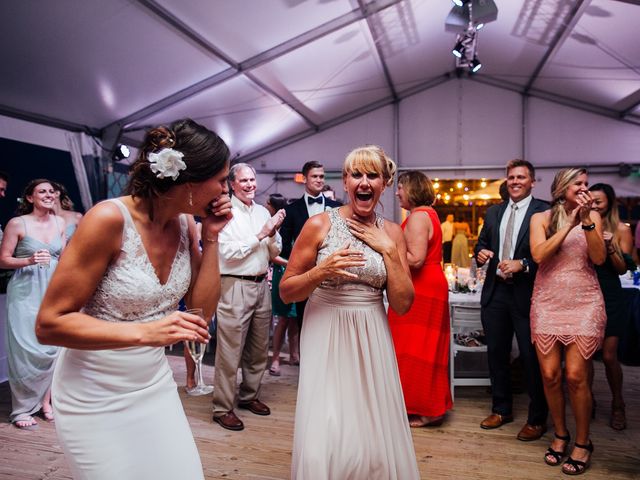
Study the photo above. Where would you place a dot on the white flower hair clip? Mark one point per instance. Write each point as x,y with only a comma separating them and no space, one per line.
167,163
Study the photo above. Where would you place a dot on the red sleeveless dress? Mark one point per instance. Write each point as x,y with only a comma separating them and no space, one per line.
421,337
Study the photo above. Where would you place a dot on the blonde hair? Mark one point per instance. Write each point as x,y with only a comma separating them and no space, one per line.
367,159
561,182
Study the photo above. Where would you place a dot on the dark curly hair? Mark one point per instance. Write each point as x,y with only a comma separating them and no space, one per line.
205,155
24,206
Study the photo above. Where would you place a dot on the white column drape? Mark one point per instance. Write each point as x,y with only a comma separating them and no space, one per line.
81,144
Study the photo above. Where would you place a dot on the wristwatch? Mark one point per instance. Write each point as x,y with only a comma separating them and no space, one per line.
588,228
525,265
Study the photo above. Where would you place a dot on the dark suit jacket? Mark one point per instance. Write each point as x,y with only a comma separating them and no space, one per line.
296,217
490,239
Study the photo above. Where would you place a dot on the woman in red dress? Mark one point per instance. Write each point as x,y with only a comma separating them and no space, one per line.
421,337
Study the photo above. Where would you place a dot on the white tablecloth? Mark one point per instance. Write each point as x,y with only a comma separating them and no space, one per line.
456,298
627,281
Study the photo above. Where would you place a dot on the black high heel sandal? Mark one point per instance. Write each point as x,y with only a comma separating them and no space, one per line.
557,456
579,467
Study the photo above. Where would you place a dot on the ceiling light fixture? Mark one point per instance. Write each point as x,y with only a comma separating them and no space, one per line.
120,153
466,18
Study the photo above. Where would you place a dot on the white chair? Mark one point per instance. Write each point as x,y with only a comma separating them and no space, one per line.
465,319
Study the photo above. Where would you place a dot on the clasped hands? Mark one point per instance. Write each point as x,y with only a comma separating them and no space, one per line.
506,267
582,212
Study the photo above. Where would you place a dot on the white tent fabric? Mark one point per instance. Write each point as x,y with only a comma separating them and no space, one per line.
80,145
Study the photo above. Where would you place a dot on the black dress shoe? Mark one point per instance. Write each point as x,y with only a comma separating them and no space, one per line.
229,421
255,406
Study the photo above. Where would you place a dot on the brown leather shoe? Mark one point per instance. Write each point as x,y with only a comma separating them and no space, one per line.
495,420
255,406
229,421
529,433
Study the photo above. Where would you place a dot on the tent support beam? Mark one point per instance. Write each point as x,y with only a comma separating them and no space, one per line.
559,39
249,64
48,121
346,117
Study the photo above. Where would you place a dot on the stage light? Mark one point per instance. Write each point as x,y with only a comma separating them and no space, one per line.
436,185
466,18
483,184
120,153
459,184
475,64
458,50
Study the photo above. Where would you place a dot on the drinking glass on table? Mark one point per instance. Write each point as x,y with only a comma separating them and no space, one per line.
196,351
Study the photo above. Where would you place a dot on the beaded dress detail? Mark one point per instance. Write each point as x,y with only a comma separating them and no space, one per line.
373,274
567,303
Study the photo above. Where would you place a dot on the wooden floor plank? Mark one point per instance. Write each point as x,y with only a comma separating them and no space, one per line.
458,449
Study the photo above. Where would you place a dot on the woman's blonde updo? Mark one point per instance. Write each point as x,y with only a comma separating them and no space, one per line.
205,155
370,158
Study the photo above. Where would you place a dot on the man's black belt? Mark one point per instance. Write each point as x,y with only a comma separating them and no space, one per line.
251,278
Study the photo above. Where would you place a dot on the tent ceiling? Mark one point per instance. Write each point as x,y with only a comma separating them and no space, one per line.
263,71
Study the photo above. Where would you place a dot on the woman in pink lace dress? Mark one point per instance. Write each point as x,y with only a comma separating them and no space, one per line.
567,309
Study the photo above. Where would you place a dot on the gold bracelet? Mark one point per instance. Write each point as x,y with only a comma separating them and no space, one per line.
208,240
308,275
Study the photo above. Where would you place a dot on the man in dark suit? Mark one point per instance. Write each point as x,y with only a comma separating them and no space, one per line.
299,211
506,299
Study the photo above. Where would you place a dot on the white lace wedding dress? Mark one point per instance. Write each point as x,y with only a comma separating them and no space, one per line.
118,413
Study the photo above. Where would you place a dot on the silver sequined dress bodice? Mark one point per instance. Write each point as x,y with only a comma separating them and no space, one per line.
371,276
130,289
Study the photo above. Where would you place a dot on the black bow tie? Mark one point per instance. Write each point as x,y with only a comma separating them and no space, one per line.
311,200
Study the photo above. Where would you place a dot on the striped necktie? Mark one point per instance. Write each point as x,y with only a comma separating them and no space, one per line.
508,234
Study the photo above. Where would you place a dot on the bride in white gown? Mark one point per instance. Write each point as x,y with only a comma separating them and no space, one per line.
351,420
112,303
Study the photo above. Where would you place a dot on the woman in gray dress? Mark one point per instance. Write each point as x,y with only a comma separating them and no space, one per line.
31,245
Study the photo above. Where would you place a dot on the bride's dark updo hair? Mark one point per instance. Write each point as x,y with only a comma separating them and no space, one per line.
205,155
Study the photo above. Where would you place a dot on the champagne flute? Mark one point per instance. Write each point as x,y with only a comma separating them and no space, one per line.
196,351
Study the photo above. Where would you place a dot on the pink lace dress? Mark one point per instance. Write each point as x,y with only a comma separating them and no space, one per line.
567,303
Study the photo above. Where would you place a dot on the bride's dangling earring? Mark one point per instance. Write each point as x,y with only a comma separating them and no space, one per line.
190,199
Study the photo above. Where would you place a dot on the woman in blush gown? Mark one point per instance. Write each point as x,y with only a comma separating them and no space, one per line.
421,336
566,241
31,245
112,303
350,417
460,245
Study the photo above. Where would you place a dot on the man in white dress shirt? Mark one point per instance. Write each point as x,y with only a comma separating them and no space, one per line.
447,238
247,244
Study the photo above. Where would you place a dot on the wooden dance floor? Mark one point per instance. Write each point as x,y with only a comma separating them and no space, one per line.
457,450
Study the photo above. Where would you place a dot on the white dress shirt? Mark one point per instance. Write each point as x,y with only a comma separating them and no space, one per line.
523,205
241,253
447,231
314,208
